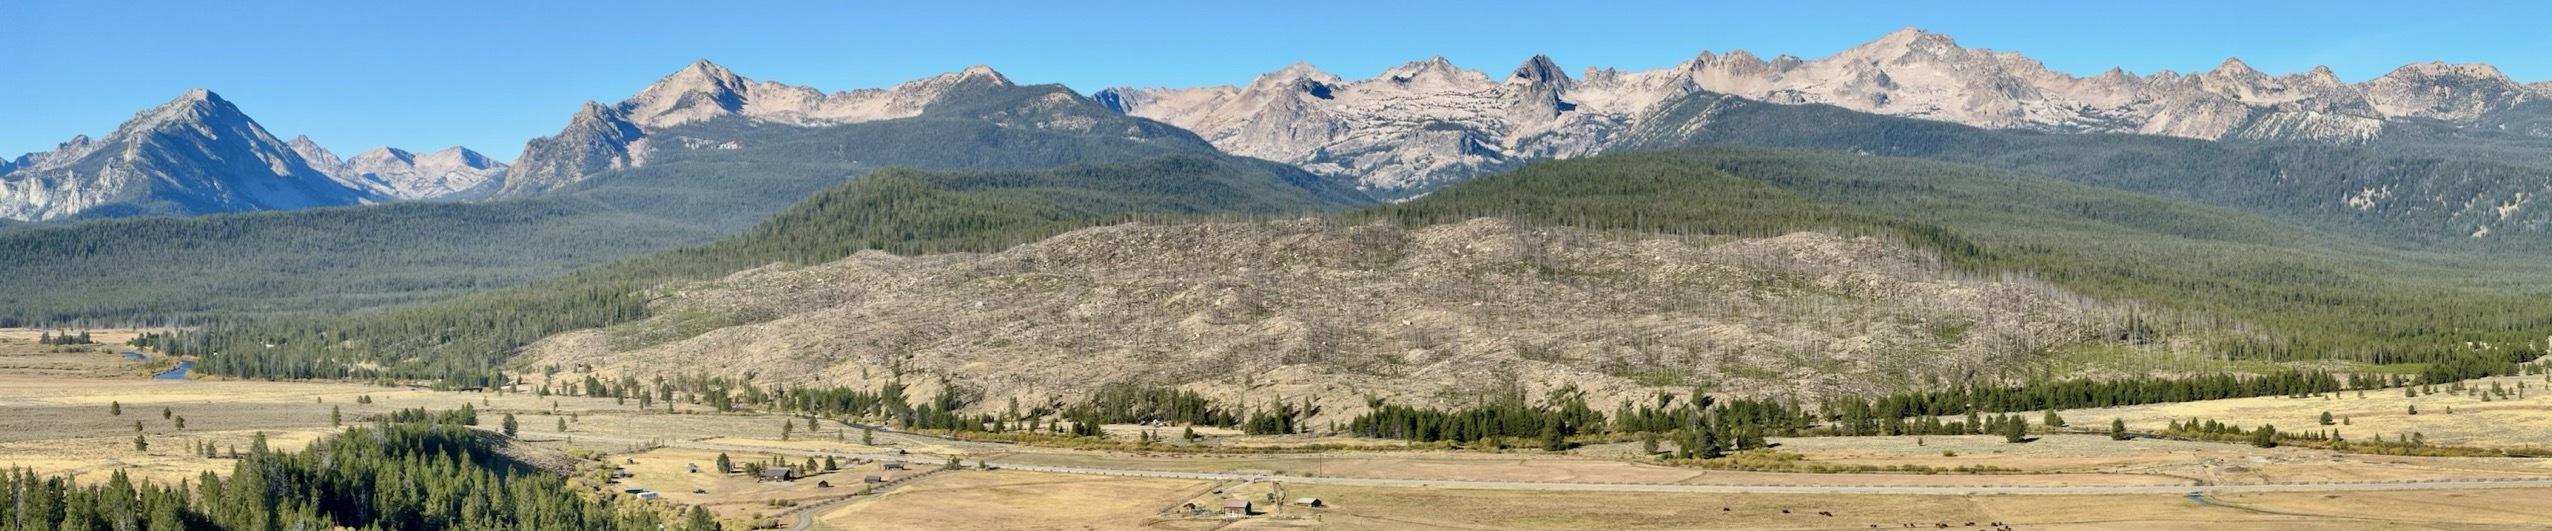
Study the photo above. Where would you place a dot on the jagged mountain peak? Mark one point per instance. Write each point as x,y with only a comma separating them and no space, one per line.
194,154
1539,69
462,156
698,91
602,137
1433,64
1421,123
384,154
195,106
1299,71
2438,90
1900,45
984,72
311,152
2233,66
2442,68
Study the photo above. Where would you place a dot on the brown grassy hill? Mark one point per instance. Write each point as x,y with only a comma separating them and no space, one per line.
1338,312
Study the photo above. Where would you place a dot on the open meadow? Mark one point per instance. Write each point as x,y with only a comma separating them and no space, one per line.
63,423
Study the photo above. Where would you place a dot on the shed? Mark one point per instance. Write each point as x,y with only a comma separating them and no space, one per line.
650,495
1236,507
894,466
778,473
876,479
1309,502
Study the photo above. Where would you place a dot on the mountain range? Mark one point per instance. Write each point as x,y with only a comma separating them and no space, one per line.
1428,123
1410,129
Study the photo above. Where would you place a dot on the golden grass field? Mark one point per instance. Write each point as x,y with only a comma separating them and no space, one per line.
1018,500
60,423
2498,423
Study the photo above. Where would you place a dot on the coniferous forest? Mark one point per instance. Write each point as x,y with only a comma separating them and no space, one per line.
427,474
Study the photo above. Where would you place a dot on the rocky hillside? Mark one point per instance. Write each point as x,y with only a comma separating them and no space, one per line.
1423,124
1338,312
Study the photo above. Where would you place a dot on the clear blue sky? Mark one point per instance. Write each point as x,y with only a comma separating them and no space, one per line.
491,74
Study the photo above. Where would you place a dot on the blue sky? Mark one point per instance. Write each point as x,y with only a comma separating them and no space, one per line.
491,74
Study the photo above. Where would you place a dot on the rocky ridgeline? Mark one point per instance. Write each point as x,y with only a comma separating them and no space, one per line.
1428,123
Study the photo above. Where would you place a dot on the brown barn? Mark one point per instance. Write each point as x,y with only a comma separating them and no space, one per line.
1236,507
778,473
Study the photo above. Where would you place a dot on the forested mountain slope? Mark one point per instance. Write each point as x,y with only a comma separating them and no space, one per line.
2400,194
723,175
1615,277
904,211
2249,287
1990,261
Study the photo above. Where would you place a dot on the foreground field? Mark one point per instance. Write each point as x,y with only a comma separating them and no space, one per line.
1019,500
2522,420
58,424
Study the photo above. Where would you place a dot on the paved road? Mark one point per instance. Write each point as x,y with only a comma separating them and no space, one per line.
1948,490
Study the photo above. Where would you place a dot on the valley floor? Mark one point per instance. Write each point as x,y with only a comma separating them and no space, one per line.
57,423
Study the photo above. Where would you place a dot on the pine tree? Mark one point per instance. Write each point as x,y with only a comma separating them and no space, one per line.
337,418
725,466
2264,437
2054,421
510,426
787,427
562,425
700,520
115,408
141,444
1552,441
2015,430
868,436
2327,420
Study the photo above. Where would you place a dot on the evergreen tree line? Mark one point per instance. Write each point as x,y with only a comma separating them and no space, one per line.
1562,414
66,338
391,475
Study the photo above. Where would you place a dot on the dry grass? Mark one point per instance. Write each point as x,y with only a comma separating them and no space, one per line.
1408,509
1018,500
21,354
2494,424
1536,466
667,471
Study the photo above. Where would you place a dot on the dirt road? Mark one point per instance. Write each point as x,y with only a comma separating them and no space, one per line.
1942,490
